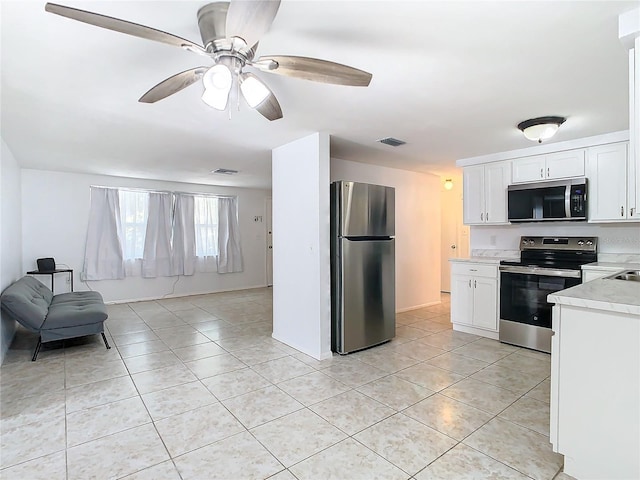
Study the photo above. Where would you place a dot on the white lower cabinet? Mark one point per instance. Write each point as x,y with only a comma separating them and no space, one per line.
474,298
595,392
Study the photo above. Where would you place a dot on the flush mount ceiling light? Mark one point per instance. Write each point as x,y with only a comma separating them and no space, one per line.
541,128
448,184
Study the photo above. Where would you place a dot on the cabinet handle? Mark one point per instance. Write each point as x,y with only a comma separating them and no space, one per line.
632,211
622,211
473,269
469,283
542,173
487,216
548,174
482,216
475,284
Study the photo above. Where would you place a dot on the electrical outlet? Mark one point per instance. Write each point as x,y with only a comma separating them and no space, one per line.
257,218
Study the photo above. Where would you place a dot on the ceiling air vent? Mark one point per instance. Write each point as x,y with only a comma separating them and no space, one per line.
224,171
394,142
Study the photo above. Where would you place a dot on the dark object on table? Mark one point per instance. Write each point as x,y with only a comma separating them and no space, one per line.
46,265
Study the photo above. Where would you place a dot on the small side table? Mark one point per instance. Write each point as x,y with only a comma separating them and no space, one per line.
52,273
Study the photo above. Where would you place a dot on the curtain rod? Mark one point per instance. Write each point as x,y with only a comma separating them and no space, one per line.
128,189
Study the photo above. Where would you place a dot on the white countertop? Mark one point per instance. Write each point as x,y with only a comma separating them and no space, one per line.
602,294
611,266
485,260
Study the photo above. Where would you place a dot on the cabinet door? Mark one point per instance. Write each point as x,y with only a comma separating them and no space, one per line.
496,180
633,197
473,195
528,169
565,164
462,299
485,303
607,168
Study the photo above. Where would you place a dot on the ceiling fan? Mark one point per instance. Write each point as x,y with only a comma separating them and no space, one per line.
230,34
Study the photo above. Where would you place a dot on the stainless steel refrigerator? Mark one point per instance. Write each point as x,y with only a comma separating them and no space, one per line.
363,296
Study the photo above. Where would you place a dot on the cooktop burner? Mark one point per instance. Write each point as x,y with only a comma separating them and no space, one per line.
556,252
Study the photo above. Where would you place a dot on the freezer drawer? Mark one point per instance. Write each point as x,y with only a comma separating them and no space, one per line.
365,309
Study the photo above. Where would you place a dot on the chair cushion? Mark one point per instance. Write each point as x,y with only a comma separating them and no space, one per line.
27,301
75,309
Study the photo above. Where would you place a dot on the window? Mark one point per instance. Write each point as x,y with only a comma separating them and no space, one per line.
133,216
206,225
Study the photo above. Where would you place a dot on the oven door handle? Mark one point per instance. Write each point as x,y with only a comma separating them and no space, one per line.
543,272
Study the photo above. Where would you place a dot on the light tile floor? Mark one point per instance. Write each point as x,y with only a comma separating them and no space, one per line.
196,388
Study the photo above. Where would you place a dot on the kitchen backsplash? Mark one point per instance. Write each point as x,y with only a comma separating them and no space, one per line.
612,238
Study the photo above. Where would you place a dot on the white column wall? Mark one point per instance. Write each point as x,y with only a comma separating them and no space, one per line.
55,207
417,228
301,268
10,236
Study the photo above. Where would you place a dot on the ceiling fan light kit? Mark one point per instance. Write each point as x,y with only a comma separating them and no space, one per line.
230,33
217,83
541,128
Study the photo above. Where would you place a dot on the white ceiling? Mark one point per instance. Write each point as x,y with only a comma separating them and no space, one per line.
451,78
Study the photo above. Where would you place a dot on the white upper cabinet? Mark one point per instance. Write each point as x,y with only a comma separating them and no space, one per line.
485,193
566,164
607,169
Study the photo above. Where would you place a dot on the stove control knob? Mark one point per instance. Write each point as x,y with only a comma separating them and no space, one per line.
580,242
532,242
524,241
589,242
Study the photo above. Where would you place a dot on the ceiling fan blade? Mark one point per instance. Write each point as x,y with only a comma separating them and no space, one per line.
314,69
123,26
173,85
250,19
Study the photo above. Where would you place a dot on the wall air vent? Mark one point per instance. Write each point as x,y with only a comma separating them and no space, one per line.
224,171
394,142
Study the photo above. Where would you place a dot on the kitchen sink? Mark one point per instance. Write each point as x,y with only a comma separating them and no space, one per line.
629,275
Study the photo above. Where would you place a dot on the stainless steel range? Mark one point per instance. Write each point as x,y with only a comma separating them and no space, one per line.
547,265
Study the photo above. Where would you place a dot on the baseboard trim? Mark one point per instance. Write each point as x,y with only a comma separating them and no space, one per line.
181,295
430,304
475,331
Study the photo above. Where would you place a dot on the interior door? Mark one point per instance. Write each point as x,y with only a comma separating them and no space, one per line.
454,235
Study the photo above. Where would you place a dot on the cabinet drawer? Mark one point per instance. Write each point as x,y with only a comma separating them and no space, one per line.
474,269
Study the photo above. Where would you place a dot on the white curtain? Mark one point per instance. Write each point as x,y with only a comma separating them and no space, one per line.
156,259
103,259
229,252
206,224
184,238
134,209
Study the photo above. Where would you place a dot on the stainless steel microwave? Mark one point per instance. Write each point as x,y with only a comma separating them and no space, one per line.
548,201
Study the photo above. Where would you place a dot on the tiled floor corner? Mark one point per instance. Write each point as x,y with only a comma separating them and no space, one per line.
195,388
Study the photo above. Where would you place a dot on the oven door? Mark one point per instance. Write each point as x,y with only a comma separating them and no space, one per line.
524,290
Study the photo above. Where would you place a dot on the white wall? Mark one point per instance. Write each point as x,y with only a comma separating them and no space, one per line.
10,236
417,228
55,214
612,238
301,268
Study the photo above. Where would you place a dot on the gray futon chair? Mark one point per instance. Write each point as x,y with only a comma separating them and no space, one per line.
54,317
